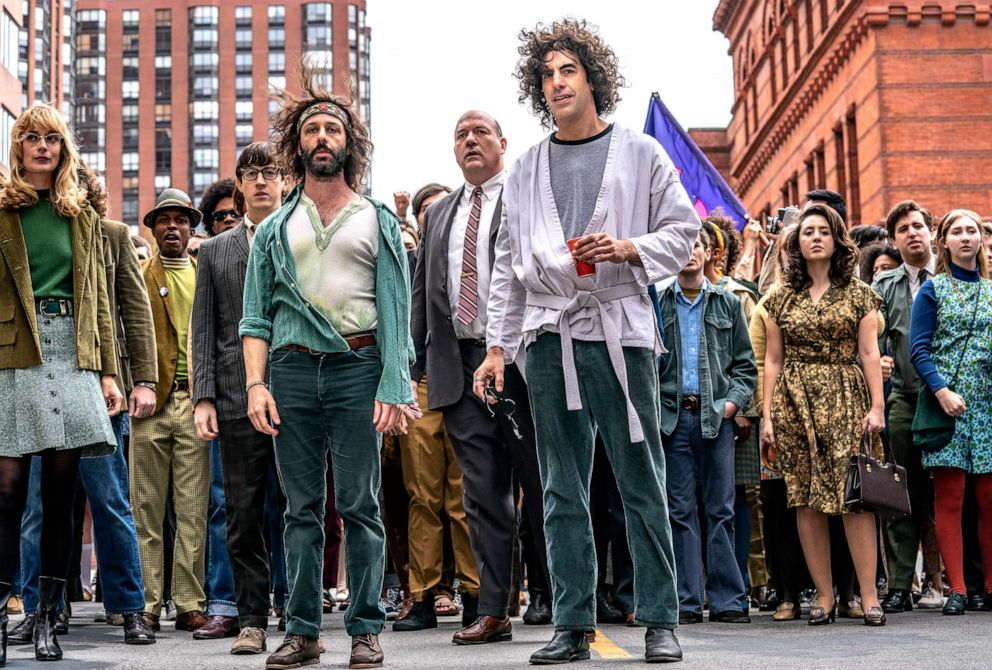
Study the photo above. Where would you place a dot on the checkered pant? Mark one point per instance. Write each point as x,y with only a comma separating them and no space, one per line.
162,444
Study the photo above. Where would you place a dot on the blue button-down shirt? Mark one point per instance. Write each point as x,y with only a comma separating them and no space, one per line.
690,316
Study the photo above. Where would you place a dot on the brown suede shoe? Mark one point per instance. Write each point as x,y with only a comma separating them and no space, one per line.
218,627
485,629
192,620
294,652
151,620
251,640
365,652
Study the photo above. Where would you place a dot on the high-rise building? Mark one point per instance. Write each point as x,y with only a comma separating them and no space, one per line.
169,91
880,101
10,84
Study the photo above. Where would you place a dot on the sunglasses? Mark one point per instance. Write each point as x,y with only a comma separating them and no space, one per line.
506,406
251,174
222,214
33,139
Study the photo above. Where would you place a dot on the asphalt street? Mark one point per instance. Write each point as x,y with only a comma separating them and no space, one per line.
913,640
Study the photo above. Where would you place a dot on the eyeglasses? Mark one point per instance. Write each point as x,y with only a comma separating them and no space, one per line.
33,139
268,173
505,405
222,214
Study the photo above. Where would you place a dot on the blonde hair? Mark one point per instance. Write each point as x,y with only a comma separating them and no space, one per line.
944,256
67,196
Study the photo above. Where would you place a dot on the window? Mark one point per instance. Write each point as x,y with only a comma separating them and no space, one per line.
202,180
163,18
244,133
204,16
91,42
321,59
318,12
277,61
242,16
205,133
839,154
6,123
205,159
91,66
163,62
129,90
243,110
277,15
163,113
205,37
163,88
243,86
129,65
277,82
204,110
129,42
277,38
853,171
97,17
89,113
243,38
129,137
205,87
129,113
242,62
9,35
318,36
129,18
96,160
92,88
205,61
129,161
94,136
162,181
129,211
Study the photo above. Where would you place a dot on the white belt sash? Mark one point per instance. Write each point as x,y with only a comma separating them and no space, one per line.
567,306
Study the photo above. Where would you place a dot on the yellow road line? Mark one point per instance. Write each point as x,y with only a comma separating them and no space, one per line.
606,648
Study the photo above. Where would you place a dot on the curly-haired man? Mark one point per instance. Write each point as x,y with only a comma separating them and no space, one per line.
613,197
327,291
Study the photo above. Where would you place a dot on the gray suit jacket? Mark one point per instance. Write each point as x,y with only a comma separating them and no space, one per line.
433,334
217,358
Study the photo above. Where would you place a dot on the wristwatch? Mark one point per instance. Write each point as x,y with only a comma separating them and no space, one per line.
148,385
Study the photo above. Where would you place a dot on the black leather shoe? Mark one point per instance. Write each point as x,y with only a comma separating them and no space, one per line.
988,602
729,616
955,604
281,626
566,646
686,618
607,612
22,632
470,609
5,589
661,646
771,601
421,617
135,630
539,611
898,600
976,602
46,645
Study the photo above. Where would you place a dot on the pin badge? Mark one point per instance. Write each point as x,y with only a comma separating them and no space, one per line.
163,291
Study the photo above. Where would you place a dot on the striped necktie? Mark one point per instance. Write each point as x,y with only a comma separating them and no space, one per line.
468,293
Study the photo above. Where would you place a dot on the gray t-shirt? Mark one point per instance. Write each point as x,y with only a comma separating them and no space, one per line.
576,176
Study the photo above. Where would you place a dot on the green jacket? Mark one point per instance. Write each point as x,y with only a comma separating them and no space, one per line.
19,342
897,308
727,370
276,311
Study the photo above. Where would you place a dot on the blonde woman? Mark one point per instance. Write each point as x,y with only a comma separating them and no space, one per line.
57,357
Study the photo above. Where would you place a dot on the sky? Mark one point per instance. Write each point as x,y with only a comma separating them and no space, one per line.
431,60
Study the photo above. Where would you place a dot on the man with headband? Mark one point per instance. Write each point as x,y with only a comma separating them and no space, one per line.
327,307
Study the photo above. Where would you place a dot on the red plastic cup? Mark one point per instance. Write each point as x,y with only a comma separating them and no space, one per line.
582,268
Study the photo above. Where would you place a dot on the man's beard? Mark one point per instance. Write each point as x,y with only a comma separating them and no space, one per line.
324,169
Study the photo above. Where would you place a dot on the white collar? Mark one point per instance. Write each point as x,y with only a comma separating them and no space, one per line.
490,189
930,267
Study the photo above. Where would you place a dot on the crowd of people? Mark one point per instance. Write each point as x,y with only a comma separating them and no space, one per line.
551,386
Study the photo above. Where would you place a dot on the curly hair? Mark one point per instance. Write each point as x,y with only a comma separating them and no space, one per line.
842,263
213,194
579,39
944,256
286,134
66,195
96,193
870,254
728,242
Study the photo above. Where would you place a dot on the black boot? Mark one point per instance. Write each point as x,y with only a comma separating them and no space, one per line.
46,646
24,631
606,611
566,646
421,617
539,611
4,597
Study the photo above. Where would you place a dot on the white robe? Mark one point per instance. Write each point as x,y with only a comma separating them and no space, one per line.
535,287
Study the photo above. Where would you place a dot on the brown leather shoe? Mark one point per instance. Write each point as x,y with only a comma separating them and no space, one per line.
192,620
151,620
485,629
365,652
294,652
218,627
630,620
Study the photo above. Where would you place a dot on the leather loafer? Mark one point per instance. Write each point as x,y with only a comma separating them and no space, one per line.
956,604
218,627
686,618
485,629
151,621
539,611
898,600
22,632
730,616
136,630
192,620
661,646
566,646
421,617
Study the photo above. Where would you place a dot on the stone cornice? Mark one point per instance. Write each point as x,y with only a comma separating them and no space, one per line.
724,12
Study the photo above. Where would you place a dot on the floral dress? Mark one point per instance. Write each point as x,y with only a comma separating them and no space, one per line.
820,398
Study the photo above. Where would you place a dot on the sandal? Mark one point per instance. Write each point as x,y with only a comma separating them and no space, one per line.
444,606
326,602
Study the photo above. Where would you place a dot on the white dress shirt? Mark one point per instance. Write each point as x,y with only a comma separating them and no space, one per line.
914,274
456,249
250,227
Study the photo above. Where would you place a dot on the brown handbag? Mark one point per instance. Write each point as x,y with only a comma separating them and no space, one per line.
876,486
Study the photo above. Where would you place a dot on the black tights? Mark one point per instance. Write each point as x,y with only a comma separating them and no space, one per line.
58,484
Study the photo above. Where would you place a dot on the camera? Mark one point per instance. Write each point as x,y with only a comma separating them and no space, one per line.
786,216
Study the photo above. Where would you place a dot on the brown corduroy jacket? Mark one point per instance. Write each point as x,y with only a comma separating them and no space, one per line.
166,336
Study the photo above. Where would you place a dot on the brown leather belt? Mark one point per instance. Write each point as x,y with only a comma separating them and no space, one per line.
690,402
354,342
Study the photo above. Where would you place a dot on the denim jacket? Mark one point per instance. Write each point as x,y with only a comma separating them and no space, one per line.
727,370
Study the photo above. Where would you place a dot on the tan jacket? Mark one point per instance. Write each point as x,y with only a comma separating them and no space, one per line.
132,314
19,343
166,337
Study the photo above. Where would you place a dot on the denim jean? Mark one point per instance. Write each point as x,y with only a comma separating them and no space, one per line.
565,450
686,453
105,481
742,533
218,580
326,403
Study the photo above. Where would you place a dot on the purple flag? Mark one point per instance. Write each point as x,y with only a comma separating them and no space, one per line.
706,187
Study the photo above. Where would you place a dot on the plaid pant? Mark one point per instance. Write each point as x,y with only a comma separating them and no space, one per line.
162,444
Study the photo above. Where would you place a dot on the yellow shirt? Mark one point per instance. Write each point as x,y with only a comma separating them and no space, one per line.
181,277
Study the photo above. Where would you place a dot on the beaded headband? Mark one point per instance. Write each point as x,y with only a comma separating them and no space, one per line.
324,107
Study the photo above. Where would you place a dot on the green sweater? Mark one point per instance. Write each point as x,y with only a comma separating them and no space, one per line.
48,239
276,311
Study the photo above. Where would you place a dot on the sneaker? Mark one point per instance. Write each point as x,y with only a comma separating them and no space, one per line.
390,607
115,619
170,611
931,599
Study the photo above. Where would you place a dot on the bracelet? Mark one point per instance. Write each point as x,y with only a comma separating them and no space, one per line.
255,383
148,385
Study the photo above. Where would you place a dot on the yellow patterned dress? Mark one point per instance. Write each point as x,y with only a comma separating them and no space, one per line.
820,397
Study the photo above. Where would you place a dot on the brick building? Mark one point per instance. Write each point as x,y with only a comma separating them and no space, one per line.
881,101
169,91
